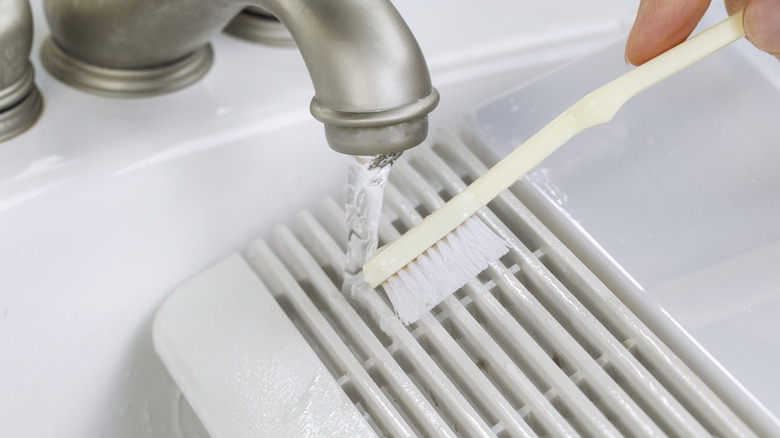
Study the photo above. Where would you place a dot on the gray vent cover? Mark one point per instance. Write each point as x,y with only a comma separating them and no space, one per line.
536,345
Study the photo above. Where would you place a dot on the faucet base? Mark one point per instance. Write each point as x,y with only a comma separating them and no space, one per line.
21,117
20,106
113,82
258,26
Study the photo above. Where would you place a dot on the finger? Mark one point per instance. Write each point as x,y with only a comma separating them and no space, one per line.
661,25
762,24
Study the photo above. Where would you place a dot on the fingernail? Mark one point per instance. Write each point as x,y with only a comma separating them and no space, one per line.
762,25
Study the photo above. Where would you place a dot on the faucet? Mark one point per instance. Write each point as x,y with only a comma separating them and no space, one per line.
20,101
372,87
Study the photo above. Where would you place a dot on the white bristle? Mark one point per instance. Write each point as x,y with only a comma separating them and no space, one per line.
443,268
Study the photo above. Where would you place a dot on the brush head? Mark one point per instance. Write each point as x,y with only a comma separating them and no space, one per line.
443,268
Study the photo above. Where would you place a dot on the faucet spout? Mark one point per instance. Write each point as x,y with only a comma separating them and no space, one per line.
372,86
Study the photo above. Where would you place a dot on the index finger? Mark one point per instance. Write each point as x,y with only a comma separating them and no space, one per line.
661,25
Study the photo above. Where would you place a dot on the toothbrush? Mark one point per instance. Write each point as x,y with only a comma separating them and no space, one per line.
439,255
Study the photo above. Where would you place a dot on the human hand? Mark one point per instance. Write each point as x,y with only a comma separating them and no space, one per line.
662,24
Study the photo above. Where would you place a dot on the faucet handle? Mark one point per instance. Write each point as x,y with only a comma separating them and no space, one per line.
20,101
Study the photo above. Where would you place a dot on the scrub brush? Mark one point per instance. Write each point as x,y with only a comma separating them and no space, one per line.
439,255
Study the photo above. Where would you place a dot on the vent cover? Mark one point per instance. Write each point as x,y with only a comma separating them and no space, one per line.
533,346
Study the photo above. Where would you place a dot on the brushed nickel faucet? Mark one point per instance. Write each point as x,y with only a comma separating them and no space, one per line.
20,101
372,87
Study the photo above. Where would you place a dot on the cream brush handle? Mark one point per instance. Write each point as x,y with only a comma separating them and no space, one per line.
596,108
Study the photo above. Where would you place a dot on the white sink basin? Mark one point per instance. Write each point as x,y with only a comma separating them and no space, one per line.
107,205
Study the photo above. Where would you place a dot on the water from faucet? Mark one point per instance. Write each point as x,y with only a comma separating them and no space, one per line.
367,177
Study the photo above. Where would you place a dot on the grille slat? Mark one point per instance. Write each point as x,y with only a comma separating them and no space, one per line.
632,419
534,360
414,361
535,345
273,273
655,397
481,342
461,369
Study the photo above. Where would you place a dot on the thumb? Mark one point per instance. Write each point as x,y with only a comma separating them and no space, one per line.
762,24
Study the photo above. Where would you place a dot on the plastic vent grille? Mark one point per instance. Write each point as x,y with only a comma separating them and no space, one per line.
534,346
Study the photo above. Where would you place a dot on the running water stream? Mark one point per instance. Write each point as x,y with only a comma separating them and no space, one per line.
367,176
